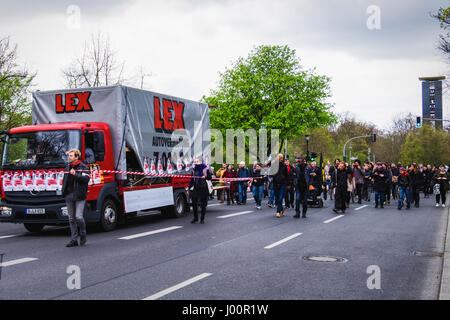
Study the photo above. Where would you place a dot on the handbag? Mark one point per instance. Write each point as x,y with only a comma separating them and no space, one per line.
210,186
437,189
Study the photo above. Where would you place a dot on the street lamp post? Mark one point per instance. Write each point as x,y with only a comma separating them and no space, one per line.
307,146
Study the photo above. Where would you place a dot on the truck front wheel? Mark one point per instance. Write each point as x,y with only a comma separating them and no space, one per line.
34,227
109,215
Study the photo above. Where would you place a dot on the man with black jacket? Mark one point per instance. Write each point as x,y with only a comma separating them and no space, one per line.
379,184
279,183
404,189
341,177
301,182
74,191
417,183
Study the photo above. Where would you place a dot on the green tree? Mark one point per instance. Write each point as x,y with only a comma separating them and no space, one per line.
443,16
15,83
426,145
270,86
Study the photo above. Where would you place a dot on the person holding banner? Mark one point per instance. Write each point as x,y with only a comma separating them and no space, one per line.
74,191
198,189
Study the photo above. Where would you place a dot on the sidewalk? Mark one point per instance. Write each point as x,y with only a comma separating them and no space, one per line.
444,293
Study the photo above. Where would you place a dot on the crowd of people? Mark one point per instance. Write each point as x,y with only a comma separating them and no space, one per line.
293,184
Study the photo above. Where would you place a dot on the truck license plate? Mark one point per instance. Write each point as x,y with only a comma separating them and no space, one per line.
35,211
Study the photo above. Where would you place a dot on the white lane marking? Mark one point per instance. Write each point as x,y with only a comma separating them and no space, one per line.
215,204
359,208
178,286
10,236
295,235
335,218
17,261
144,234
233,214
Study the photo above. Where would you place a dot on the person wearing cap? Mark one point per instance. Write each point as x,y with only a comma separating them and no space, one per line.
243,172
404,189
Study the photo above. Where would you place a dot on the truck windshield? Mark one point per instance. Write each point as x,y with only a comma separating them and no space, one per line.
39,149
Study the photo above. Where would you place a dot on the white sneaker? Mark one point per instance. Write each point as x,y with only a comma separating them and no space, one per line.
437,205
443,205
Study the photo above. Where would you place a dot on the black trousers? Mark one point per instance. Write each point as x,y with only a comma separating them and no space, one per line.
289,197
442,195
195,200
340,197
359,189
415,195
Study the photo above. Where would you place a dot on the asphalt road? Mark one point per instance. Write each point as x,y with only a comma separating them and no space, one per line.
240,253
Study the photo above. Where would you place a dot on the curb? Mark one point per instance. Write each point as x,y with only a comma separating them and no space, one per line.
444,292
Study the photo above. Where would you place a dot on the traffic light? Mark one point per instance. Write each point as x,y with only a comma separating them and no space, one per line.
374,137
418,122
313,156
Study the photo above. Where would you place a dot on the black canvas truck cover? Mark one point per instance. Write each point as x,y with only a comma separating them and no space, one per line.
143,120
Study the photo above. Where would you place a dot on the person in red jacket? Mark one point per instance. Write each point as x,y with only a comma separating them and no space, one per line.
230,173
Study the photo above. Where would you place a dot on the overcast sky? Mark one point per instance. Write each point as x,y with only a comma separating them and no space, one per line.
374,63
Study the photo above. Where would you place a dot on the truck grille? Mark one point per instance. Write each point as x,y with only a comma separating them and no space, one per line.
33,198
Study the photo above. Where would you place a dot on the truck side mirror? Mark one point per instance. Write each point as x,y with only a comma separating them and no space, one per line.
99,145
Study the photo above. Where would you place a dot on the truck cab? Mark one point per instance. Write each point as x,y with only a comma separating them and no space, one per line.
34,159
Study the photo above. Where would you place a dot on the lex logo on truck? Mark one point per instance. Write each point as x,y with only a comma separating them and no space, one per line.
169,107
73,102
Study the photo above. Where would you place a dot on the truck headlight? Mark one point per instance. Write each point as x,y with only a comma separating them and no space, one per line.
6,212
64,211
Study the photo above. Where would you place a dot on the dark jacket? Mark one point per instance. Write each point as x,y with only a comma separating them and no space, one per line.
418,179
259,179
332,173
79,181
367,177
301,177
380,180
317,180
199,185
442,182
280,178
290,176
404,180
341,178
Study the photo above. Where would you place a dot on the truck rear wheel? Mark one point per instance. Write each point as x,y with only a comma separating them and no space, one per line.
179,208
34,227
109,215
